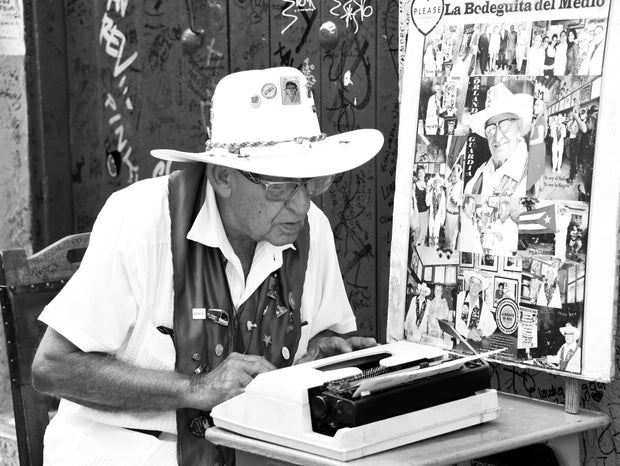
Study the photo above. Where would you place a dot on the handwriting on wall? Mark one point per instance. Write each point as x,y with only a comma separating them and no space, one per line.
352,12
118,103
293,8
599,446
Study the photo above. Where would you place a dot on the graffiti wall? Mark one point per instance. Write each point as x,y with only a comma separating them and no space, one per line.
141,76
15,210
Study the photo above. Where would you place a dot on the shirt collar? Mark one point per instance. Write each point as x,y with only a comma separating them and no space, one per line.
208,229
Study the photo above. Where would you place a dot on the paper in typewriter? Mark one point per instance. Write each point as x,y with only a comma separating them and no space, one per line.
501,115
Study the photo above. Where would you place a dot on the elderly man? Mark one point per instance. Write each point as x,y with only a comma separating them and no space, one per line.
505,231
469,236
195,283
474,319
503,123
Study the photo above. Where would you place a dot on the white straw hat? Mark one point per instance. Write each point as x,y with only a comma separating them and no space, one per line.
570,329
501,100
469,274
258,126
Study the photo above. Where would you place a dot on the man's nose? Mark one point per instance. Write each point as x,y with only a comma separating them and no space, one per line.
299,203
499,135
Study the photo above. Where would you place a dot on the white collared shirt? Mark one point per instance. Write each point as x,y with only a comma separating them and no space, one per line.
123,289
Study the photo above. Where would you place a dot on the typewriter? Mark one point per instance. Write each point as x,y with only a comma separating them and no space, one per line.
356,404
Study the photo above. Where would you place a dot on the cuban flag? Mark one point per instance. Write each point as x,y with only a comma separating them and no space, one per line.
538,221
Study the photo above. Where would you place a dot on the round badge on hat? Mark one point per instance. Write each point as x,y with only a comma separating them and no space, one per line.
269,91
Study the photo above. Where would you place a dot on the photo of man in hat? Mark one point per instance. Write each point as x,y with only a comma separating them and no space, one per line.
290,94
416,320
504,121
474,318
568,358
196,282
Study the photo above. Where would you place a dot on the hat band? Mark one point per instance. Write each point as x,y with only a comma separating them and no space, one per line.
235,147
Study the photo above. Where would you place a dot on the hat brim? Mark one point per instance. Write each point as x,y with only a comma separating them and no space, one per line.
574,331
334,154
518,104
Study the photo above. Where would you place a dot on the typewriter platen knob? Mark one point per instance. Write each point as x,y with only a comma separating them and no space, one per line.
319,407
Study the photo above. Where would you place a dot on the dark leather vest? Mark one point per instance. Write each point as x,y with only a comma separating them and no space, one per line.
207,328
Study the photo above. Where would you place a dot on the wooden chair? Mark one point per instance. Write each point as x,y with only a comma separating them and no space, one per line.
27,285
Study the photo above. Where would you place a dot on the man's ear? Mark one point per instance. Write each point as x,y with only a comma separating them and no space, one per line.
221,178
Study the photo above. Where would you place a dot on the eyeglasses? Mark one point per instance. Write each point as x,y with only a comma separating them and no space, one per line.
504,126
284,190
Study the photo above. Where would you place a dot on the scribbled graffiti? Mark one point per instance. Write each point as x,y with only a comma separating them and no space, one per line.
161,168
117,103
115,42
120,6
352,193
203,77
390,28
286,54
349,98
353,12
307,69
293,7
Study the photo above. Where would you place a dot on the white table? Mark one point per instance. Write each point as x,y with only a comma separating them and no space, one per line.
521,422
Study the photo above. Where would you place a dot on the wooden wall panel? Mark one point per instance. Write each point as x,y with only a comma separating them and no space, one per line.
137,84
48,121
348,79
385,162
250,44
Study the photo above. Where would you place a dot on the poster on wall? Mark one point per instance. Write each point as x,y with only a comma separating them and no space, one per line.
509,182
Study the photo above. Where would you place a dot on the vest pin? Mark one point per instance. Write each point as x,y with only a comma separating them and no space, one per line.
250,325
281,310
291,299
218,316
219,349
286,354
196,357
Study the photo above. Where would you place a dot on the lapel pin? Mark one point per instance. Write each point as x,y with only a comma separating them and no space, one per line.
281,310
218,316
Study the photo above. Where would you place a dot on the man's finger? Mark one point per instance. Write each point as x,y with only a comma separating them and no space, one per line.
253,368
361,342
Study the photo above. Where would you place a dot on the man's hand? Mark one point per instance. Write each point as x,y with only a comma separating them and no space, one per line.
227,380
328,343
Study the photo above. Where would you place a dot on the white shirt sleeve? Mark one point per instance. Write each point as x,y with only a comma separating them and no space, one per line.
106,284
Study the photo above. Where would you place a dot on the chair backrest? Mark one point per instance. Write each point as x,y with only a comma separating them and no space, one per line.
27,285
